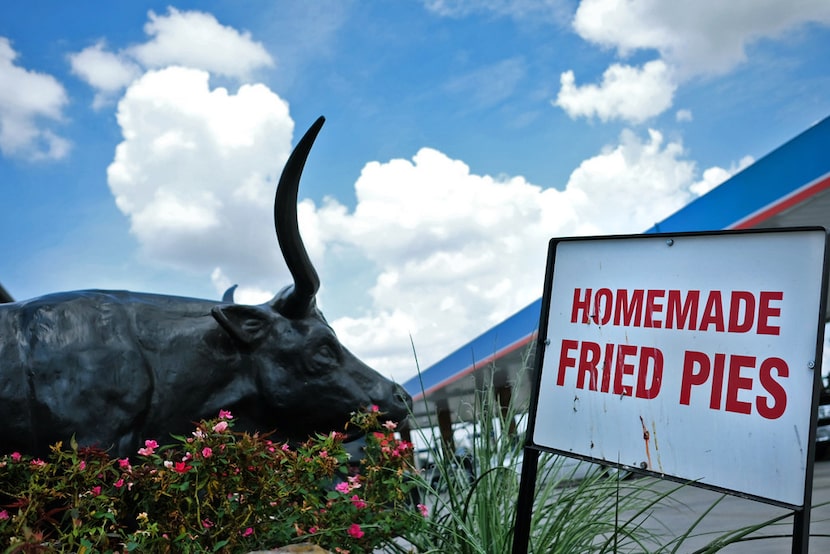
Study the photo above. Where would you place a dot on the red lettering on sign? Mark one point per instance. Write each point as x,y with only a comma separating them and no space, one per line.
628,313
564,360
684,312
692,378
603,306
737,383
773,387
623,368
652,307
738,311
651,365
765,311
699,371
717,381
635,371
606,373
589,359
713,312
581,304
742,302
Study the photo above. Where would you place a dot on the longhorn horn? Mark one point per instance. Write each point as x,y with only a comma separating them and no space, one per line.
306,282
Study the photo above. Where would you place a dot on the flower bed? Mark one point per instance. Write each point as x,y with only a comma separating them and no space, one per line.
216,490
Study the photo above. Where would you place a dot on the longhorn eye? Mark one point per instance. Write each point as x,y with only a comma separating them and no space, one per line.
326,356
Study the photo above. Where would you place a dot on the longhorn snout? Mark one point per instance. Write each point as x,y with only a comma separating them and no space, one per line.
403,398
393,400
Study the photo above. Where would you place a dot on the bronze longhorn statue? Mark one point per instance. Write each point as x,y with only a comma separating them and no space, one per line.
114,368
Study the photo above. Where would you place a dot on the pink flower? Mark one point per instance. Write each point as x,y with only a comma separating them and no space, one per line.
220,427
324,454
391,425
343,487
375,409
358,503
37,462
225,414
285,447
248,532
124,464
207,524
16,456
82,465
355,531
119,483
96,490
182,467
149,448
423,509
354,481
312,529
207,452
4,515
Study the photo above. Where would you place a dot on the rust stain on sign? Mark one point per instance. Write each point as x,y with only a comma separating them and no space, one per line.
646,437
656,445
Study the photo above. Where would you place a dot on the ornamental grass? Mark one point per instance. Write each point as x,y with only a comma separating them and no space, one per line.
578,508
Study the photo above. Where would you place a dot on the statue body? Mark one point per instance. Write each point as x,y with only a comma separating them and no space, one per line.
114,368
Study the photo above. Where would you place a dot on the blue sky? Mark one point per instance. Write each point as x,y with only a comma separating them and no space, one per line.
140,141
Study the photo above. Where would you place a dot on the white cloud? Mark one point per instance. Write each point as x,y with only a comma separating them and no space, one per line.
28,100
242,294
189,39
537,10
683,116
708,36
714,176
196,172
630,186
107,72
626,93
458,252
198,40
691,38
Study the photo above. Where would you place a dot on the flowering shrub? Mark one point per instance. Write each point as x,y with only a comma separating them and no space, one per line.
217,490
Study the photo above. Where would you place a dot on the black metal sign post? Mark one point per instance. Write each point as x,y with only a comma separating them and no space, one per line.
530,459
524,506
807,249
801,517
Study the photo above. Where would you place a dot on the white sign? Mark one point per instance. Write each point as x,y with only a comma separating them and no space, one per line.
692,356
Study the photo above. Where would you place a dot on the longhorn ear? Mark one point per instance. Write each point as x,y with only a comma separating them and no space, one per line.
247,324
